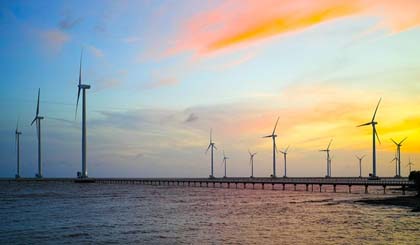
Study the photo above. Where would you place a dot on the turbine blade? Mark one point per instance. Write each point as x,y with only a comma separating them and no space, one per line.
208,148
214,147
394,141
268,136
374,114
287,149
329,144
77,103
364,124
275,126
377,136
80,68
37,104
403,140
33,121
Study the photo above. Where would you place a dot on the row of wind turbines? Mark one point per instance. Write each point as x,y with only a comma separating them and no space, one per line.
273,136
37,120
81,88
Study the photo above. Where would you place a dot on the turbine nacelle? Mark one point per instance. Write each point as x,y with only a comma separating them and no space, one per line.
83,86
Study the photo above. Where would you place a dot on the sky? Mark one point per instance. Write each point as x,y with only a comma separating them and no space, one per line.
163,73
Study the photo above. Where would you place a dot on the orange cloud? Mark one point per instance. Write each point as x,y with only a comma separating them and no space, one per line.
235,23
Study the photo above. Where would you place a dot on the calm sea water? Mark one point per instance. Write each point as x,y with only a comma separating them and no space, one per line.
63,213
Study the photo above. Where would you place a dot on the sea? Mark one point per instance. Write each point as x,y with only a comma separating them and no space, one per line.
72,213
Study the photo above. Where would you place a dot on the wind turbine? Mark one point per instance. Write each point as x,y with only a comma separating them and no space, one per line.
251,160
399,155
82,87
273,136
328,159
212,146
38,119
374,136
409,165
395,159
225,158
360,164
17,142
285,158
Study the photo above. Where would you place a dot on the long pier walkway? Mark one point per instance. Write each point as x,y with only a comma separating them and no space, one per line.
307,182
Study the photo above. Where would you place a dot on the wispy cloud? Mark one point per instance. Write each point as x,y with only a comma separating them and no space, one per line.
191,118
161,82
69,22
218,28
95,51
54,39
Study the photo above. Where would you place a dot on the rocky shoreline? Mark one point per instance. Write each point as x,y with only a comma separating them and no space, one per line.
412,202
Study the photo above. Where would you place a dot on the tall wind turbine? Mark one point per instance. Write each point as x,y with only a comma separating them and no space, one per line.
360,164
17,139
212,146
38,119
327,150
409,165
399,155
374,137
285,158
251,160
82,87
273,136
225,158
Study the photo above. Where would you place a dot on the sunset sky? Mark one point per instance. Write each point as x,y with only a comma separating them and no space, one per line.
164,72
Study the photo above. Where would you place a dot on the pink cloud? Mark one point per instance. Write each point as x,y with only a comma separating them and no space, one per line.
237,23
54,39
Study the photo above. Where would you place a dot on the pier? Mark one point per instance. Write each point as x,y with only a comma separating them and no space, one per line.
240,182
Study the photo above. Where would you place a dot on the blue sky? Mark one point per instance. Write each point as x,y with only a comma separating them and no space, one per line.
159,84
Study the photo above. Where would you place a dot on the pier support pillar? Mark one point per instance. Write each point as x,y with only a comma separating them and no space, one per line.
263,186
320,188
228,185
236,185
207,184
335,188
307,187
349,188
366,189
214,184
284,187
272,186
403,189
253,185
295,187
384,189
244,185
312,187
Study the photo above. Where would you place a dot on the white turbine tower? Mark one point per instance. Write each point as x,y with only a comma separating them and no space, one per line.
409,165
17,139
374,137
328,159
273,136
360,164
82,87
399,155
251,161
38,119
212,146
285,161
225,158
